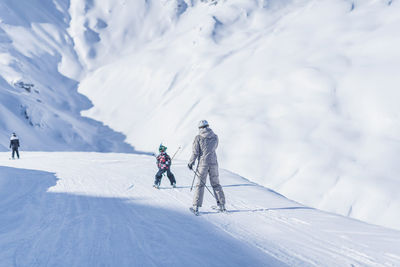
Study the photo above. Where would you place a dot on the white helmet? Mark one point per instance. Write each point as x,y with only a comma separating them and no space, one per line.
203,124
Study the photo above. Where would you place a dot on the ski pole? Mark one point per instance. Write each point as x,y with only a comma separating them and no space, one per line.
196,173
175,153
194,177
207,187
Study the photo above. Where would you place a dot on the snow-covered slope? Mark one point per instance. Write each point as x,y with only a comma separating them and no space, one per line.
37,99
92,209
302,93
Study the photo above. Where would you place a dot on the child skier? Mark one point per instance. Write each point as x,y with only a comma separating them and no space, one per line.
164,165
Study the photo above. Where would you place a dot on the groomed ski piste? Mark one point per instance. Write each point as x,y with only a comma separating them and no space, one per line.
100,209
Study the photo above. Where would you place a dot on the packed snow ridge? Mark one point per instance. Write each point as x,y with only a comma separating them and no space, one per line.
302,93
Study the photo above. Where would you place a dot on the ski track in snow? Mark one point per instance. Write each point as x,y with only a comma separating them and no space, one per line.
93,209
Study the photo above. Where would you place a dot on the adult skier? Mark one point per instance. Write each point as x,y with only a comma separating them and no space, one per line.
14,144
204,146
164,165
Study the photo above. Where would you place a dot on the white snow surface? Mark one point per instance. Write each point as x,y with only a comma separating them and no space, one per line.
302,93
99,209
38,100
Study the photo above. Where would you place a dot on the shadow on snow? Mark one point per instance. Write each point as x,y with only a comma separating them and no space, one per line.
39,227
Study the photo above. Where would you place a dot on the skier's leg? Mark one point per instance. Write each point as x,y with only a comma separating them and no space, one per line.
13,152
158,177
202,172
171,177
214,180
17,152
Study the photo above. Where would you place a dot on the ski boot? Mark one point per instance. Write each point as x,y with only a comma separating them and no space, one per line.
195,210
221,208
174,185
156,186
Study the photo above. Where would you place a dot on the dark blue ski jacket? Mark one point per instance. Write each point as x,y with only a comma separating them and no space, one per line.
14,142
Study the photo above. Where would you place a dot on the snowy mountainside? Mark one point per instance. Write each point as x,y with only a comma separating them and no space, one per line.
99,209
38,100
303,94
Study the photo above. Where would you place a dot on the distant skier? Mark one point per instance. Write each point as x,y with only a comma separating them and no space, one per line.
164,165
204,146
14,144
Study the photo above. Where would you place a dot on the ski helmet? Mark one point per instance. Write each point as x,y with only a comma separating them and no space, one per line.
162,148
203,124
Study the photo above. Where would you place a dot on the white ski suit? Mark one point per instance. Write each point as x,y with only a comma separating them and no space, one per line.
204,147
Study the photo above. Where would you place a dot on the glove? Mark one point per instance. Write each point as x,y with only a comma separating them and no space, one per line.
190,166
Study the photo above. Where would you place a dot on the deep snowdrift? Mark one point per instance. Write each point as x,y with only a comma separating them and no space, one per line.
92,209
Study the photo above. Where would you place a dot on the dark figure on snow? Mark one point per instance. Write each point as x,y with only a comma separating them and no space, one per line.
14,145
204,146
164,165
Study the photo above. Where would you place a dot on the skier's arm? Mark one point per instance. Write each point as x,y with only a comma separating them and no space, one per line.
168,160
195,151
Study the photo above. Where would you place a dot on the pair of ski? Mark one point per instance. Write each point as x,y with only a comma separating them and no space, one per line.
197,213
158,187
